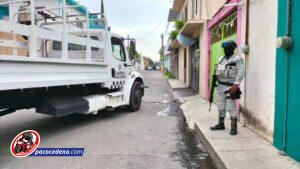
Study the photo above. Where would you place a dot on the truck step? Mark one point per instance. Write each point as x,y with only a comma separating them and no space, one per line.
108,102
115,94
115,105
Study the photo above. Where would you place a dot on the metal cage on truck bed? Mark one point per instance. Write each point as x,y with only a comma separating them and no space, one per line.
42,68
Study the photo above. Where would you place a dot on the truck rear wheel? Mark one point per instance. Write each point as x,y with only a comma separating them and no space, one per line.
136,95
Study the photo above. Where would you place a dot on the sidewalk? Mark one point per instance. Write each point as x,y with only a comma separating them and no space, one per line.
177,84
244,151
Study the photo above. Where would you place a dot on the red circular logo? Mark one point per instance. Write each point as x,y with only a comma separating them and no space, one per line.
25,143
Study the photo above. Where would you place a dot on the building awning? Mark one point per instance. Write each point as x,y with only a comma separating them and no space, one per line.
184,40
185,37
174,45
192,26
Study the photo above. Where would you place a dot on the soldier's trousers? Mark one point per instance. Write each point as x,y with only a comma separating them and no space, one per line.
224,104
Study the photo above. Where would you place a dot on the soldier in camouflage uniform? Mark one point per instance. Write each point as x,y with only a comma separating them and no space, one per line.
230,73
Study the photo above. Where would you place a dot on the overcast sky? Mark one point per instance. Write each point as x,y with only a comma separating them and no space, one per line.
144,20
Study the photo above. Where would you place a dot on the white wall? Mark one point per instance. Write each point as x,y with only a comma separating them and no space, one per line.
189,5
181,64
261,67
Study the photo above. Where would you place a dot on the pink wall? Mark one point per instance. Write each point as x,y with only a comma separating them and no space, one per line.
217,18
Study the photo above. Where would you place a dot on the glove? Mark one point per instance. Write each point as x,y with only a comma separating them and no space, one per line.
234,89
233,93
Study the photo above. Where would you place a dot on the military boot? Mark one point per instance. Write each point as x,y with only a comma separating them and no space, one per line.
233,130
220,125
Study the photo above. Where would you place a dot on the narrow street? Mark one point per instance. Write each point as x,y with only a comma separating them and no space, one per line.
155,137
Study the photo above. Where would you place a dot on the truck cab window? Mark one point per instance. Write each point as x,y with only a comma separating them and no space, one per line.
118,49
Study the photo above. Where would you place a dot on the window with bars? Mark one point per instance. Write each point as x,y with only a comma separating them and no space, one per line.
224,29
195,8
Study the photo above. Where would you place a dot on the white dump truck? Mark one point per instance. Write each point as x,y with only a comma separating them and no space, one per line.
61,63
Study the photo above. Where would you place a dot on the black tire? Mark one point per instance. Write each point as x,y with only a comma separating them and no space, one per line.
136,95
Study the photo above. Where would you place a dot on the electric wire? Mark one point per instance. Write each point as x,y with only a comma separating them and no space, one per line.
148,34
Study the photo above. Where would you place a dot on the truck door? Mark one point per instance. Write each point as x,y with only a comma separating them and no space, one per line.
120,61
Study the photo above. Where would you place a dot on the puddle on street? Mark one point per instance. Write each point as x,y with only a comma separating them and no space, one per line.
171,110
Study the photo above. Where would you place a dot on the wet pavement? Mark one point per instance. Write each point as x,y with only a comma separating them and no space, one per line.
190,150
155,137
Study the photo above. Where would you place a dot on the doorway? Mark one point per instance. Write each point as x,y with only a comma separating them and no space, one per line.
195,66
184,64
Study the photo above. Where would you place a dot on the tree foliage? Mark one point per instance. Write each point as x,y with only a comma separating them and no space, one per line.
173,35
178,26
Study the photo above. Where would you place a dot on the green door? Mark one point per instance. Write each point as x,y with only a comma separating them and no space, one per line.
224,31
287,97
3,12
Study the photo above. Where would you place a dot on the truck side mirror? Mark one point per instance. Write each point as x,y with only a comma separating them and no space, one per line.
132,51
133,61
132,47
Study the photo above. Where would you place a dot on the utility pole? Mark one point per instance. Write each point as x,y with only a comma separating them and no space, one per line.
102,8
127,41
162,51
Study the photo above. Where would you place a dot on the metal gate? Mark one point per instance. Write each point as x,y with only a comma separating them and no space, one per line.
195,67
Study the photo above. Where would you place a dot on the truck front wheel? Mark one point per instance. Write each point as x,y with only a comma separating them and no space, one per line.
136,95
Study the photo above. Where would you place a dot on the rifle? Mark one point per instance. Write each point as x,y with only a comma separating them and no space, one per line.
212,88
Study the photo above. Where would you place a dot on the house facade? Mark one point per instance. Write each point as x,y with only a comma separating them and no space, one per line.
268,104
186,54
233,22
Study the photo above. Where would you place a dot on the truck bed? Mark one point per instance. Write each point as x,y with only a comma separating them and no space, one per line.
24,72
38,71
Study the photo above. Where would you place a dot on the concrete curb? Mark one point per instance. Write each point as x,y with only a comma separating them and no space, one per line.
213,155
